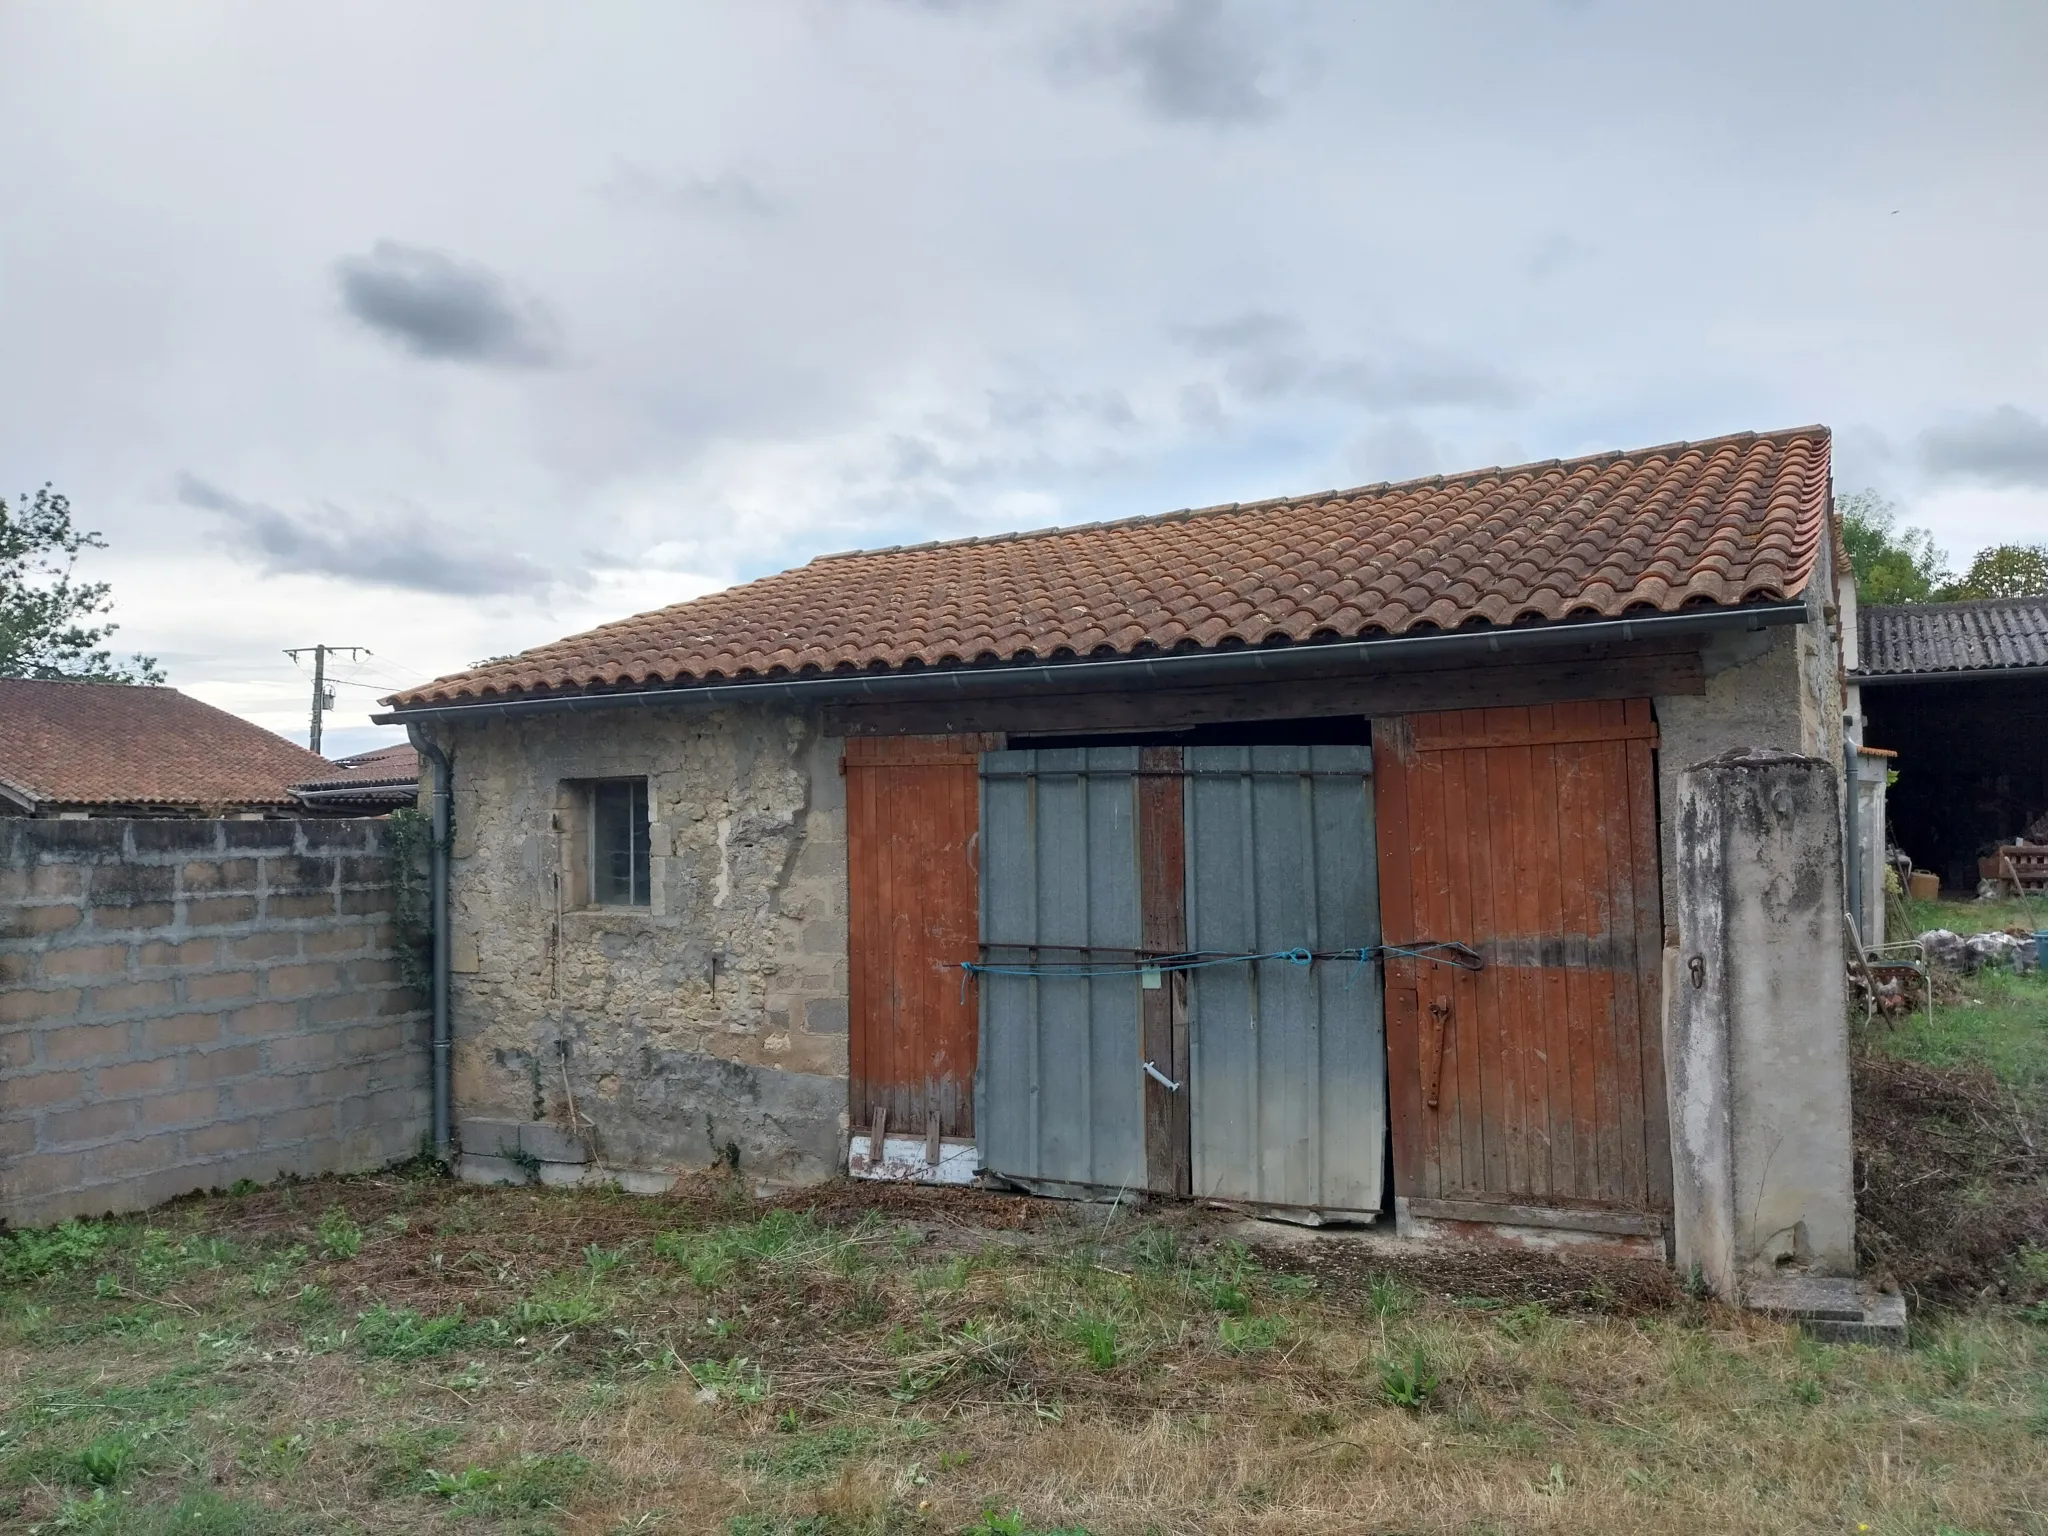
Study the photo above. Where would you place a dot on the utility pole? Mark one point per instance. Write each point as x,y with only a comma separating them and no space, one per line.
323,696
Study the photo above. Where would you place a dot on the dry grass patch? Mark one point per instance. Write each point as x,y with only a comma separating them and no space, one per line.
405,1354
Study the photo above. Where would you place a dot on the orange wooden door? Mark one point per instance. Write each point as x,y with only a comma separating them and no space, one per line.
913,809
1537,1082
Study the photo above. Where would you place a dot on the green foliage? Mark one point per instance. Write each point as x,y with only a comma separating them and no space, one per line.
35,1252
1154,1250
1249,1335
561,1302
2004,570
1387,1296
1097,1337
197,1512
46,627
1408,1383
1892,564
384,1334
802,1457
107,1460
732,1381
530,1483
340,1237
997,1523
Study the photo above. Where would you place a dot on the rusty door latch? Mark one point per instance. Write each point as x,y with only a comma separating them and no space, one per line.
1433,1048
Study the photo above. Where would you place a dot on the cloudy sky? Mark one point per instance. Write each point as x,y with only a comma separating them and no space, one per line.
445,329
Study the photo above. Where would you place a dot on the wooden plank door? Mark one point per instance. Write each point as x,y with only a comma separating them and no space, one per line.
1537,1083
912,815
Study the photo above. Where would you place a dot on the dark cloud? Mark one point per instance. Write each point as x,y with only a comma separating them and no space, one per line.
1191,61
2005,446
401,552
440,308
1268,357
728,195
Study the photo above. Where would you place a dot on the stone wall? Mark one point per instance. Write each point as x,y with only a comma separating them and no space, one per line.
188,1003
707,1026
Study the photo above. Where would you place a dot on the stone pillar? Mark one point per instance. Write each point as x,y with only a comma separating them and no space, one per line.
1757,1044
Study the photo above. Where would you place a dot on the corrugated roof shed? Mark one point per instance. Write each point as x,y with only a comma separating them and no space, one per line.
1989,635
1715,523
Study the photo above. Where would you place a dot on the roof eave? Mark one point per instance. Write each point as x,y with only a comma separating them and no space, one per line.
1178,669
1946,674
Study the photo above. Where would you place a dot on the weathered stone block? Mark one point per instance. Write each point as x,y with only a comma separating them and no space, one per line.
132,997
221,1137
87,1123
179,1031
290,908
264,946
220,987
223,1065
127,885
119,1079
162,952
40,1089
263,1019
215,878
219,911
552,1143
300,980
137,919
488,1138
191,1106
825,1015
83,1042
32,922
87,960
24,1006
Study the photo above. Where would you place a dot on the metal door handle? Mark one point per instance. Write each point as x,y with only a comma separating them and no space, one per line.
1161,1078
1433,1050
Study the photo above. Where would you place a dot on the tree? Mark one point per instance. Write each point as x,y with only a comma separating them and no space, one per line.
1892,564
46,627
2004,570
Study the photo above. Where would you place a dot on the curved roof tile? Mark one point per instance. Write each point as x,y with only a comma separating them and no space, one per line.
1721,522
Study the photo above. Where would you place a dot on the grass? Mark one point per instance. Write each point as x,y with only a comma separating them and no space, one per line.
903,1361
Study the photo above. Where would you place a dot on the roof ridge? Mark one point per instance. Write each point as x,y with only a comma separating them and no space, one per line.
1374,488
1956,605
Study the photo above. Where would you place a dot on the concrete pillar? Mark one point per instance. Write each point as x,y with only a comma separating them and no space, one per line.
1757,1042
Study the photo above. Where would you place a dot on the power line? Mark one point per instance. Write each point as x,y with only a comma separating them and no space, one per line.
323,696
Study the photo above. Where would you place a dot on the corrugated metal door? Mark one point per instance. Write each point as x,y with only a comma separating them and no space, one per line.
913,916
1287,1061
1535,1085
1060,1096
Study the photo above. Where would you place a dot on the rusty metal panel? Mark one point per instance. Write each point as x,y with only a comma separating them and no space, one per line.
1287,1062
1529,834
913,916
1060,1092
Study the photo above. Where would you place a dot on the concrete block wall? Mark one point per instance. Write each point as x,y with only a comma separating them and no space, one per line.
188,1003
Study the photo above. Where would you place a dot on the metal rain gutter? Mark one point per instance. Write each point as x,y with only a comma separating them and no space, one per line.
1182,669
1945,675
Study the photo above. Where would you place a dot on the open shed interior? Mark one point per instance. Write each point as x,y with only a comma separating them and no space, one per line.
1972,766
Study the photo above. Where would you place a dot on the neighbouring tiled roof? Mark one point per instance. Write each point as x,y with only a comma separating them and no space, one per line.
392,765
1983,636
1722,522
88,744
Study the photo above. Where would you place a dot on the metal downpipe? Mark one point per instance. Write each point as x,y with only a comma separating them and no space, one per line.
438,1052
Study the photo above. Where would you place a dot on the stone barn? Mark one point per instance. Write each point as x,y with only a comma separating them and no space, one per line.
1320,856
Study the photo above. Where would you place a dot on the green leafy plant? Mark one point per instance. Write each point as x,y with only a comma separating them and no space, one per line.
385,1334
1387,1296
340,1237
1097,1337
33,1253
1250,1335
107,1460
1408,1383
734,1381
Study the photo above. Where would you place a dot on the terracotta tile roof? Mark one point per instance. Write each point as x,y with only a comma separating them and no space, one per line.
1989,635
1720,522
108,744
399,764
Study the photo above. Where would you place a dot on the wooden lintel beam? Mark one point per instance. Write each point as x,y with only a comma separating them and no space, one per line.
1627,676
